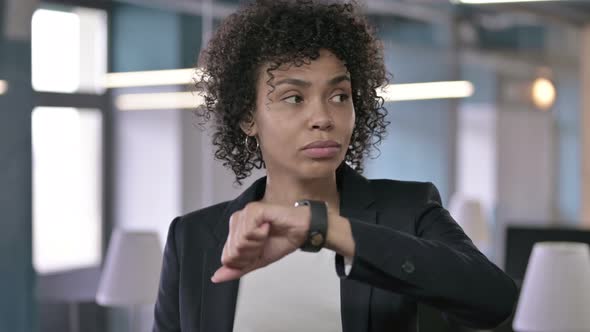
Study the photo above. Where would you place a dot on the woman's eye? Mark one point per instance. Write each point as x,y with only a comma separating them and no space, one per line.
340,98
295,99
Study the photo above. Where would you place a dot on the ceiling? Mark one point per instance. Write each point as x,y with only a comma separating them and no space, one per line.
574,12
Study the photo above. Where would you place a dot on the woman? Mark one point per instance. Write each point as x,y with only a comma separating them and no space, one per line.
292,86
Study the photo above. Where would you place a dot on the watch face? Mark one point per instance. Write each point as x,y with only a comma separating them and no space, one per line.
317,239
318,225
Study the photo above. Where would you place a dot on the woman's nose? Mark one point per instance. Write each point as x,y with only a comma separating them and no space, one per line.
321,118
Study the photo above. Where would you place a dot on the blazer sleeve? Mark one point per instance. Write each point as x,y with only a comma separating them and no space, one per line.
166,312
439,266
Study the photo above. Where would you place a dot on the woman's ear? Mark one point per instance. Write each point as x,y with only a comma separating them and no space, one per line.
248,125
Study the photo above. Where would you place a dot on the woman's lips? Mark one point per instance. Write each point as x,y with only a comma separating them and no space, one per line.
322,149
322,152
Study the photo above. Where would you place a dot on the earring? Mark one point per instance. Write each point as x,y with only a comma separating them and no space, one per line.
247,144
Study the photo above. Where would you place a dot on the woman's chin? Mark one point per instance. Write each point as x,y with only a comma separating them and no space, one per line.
320,168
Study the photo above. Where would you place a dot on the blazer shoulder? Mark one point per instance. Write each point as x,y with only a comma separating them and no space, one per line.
198,225
405,192
205,214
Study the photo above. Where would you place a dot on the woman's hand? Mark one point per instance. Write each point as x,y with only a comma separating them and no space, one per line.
261,234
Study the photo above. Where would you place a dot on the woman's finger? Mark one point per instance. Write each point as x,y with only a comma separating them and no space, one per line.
259,233
225,273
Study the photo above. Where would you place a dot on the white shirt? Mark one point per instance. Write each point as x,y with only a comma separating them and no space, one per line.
300,292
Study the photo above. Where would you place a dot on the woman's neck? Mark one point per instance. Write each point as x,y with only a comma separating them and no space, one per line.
286,190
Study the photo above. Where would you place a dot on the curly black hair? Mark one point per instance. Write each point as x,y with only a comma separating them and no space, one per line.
277,32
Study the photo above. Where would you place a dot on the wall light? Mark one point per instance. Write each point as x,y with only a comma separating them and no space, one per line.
188,100
393,92
3,87
151,78
430,90
543,93
413,91
153,101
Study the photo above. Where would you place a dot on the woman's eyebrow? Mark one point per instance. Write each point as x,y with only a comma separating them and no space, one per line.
338,79
294,81
304,84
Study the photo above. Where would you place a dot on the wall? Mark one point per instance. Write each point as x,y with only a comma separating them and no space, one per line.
527,160
17,305
147,160
420,141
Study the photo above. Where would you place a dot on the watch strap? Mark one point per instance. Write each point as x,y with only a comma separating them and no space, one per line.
318,225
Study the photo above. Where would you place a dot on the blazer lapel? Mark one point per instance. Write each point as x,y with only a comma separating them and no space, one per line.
356,198
218,301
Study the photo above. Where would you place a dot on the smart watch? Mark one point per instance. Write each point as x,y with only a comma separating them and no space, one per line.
318,225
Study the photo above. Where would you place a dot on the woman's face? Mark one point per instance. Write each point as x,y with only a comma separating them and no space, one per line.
310,104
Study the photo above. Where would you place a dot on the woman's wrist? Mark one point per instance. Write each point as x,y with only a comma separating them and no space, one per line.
339,237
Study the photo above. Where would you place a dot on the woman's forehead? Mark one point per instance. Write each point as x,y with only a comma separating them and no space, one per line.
325,66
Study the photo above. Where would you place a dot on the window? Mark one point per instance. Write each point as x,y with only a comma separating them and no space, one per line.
67,188
69,50
68,69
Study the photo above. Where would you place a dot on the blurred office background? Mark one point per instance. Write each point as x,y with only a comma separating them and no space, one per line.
97,133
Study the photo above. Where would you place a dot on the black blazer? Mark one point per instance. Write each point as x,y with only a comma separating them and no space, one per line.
408,250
